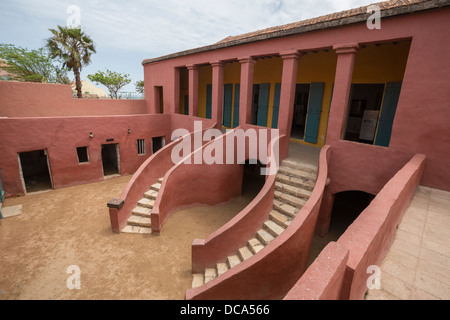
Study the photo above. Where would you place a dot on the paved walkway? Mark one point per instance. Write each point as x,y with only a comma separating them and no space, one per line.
417,267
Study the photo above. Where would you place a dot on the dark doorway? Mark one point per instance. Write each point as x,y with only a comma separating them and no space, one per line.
157,144
110,159
252,180
35,170
347,207
363,112
300,111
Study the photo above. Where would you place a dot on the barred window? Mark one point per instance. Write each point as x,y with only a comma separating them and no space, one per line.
141,146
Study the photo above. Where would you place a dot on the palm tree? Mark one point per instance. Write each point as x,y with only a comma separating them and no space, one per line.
74,47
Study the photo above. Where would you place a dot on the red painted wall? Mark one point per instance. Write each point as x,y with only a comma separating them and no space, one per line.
61,135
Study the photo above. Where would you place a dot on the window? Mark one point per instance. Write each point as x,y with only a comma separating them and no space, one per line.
157,143
83,156
141,146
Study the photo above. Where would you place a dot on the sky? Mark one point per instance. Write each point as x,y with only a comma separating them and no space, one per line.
127,32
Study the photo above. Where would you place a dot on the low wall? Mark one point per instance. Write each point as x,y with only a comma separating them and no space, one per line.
28,99
370,236
272,272
324,278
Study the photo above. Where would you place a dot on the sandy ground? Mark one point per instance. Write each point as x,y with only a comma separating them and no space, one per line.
70,226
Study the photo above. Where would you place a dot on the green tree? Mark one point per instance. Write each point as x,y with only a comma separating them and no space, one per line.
74,48
140,86
27,65
112,80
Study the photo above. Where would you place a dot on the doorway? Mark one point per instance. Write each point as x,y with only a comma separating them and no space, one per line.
35,170
300,111
110,159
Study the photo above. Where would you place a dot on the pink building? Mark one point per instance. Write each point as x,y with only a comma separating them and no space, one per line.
375,102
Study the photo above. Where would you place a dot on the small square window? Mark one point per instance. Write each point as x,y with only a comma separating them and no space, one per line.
157,144
83,155
141,146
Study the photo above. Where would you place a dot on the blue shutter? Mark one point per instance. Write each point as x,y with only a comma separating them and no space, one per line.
237,96
276,105
263,104
208,101
390,101
314,110
227,103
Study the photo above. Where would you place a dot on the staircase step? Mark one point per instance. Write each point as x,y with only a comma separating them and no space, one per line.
304,183
160,180
264,237
136,229
273,228
156,186
146,203
255,245
299,166
280,219
285,208
151,194
295,191
141,211
245,253
139,221
210,273
198,280
222,267
233,261
292,200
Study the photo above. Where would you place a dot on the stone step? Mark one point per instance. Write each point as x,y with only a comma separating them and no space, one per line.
280,219
198,279
285,208
299,166
160,180
210,274
151,194
289,199
297,172
146,203
222,267
233,261
263,236
139,221
141,211
136,229
156,186
245,253
295,181
295,191
273,228
255,245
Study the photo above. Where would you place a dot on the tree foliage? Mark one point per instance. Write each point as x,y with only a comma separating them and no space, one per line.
26,65
112,80
74,48
140,86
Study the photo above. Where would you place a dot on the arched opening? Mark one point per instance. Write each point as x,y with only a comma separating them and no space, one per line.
347,206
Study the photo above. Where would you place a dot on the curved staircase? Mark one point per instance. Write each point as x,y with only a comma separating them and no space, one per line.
139,221
293,186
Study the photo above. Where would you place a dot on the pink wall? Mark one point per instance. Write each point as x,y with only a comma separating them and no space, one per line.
370,236
27,99
61,135
324,278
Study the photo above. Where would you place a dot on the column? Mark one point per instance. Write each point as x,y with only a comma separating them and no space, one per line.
288,87
217,93
246,90
193,90
341,92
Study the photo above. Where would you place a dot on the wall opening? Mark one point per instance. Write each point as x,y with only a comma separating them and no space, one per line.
252,180
157,144
300,111
159,99
110,159
347,207
35,170
184,91
83,155
141,146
